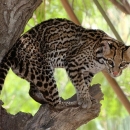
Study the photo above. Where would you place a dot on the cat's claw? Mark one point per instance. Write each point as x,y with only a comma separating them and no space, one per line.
86,102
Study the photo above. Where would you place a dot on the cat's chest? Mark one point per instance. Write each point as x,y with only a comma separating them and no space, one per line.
95,67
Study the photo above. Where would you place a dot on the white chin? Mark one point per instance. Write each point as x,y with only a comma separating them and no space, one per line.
114,76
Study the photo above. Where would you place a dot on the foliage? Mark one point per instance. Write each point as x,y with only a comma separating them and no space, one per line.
15,92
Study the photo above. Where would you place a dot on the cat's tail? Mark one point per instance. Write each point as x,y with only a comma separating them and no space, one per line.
6,63
4,68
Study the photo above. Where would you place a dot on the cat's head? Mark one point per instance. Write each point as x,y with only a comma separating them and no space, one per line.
115,55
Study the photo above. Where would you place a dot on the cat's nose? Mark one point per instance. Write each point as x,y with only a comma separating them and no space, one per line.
115,73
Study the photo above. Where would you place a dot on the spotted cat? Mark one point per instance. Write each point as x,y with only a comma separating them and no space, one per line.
61,43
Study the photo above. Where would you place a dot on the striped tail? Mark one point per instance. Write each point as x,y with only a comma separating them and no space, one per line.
4,68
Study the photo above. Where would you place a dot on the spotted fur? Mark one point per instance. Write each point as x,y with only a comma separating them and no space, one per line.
61,43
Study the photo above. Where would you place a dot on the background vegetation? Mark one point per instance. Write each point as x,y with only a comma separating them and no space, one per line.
113,114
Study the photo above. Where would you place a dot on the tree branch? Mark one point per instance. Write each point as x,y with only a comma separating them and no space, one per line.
126,4
123,5
107,20
48,118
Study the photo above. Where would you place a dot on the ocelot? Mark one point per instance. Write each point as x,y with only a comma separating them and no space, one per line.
59,43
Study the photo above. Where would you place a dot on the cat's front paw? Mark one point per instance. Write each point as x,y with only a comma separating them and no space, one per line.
85,101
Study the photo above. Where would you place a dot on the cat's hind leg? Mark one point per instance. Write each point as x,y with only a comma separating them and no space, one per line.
36,94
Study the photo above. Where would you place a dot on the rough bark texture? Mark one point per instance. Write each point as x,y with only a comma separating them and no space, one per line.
14,15
12,122
47,118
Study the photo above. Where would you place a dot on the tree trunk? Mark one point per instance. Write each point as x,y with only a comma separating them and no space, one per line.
14,14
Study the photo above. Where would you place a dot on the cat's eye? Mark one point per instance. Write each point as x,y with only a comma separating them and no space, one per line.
123,64
110,62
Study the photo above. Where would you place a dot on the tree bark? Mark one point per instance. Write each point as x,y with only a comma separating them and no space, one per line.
14,14
48,118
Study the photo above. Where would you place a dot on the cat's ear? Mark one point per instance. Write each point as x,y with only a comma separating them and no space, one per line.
128,52
104,48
